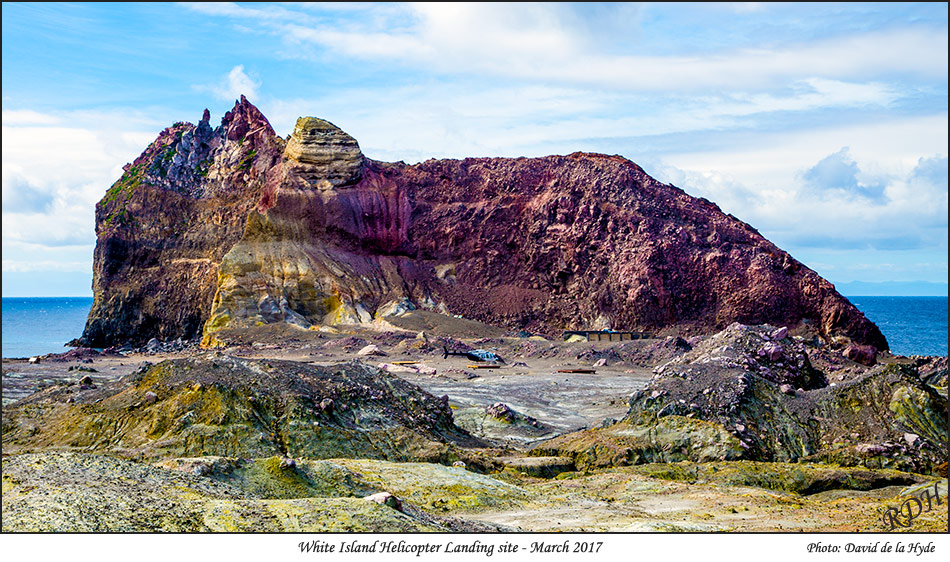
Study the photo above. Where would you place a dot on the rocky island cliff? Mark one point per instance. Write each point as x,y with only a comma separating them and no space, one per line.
234,226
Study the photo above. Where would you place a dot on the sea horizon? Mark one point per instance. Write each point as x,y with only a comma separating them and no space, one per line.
913,325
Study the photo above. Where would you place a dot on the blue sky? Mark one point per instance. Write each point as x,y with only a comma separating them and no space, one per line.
824,126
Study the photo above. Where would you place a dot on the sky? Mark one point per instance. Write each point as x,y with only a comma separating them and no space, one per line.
824,126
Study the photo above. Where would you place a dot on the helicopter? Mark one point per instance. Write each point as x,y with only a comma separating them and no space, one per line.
480,355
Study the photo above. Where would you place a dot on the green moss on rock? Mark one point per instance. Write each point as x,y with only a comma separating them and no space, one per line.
233,407
670,439
799,478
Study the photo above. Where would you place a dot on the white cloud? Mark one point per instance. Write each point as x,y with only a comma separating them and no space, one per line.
760,131
747,7
886,191
887,145
28,117
64,224
58,155
53,176
20,266
806,95
232,86
415,123
563,44
20,195
538,41
839,173
234,10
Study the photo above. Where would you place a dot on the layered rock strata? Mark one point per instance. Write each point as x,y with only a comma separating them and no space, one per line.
324,156
233,226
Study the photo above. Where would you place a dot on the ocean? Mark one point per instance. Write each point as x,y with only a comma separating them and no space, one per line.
35,326
40,325
912,325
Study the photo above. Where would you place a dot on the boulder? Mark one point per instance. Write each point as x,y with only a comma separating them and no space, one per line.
933,370
385,498
370,349
501,424
779,334
740,347
772,351
863,354
419,368
500,411
82,354
326,406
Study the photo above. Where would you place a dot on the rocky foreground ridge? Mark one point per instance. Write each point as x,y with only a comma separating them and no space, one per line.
234,226
751,392
749,429
222,405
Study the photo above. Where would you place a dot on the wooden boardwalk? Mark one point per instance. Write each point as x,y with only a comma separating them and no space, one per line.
606,335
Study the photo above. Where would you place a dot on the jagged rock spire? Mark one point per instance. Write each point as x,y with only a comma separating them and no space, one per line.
245,120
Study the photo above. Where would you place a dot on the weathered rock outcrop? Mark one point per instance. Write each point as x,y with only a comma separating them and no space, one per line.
228,406
164,226
727,400
324,156
236,227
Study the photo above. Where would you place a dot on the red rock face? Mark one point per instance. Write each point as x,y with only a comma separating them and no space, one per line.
592,241
584,241
164,226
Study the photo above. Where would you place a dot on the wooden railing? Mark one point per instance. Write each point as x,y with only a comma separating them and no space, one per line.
606,335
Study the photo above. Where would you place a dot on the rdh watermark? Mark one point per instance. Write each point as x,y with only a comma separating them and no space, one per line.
912,508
